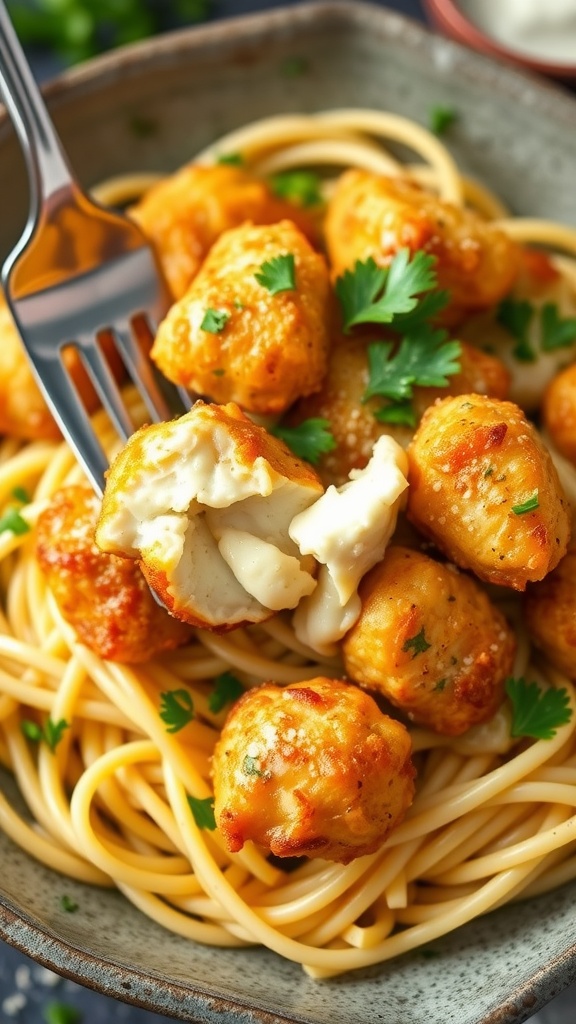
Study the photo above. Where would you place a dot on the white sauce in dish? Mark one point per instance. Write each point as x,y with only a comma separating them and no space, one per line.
541,29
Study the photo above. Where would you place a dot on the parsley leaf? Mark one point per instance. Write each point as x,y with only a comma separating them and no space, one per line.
302,187
401,413
373,294
530,505
62,1013
423,358
515,316
309,440
51,733
441,118
232,159
227,690
68,904
251,766
536,712
214,321
12,520
203,812
176,709
417,644
21,495
557,331
278,274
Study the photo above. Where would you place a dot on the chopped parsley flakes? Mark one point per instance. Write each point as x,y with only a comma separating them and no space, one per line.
301,187
214,321
416,644
309,440
278,274
50,733
441,118
176,709
203,812
227,690
553,331
530,505
14,521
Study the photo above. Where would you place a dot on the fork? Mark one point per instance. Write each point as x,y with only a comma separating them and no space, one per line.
79,274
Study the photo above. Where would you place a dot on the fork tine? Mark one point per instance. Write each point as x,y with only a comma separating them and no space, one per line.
105,384
75,425
140,369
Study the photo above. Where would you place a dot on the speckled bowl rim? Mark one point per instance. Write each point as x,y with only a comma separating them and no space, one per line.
43,944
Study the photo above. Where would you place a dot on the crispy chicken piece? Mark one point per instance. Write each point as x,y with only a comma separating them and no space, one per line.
559,412
105,598
373,215
430,641
550,614
483,487
23,411
269,348
352,421
205,501
313,769
184,214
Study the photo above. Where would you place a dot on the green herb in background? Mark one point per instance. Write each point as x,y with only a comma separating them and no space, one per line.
61,1013
78,29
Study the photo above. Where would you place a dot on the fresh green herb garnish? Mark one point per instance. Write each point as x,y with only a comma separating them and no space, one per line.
423,358
302,187
515,315
233,159
293,67
375,295
401,413
278,274
12,520
21,495
250,766
62,1013
176,709
441,118
417,644
219,372
440,685
227,690
51,732
537,712
214,321
555,331
68,904
203,812
530,505
309,440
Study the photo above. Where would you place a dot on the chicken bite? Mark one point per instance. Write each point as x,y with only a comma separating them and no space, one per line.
313,769
235,338
550,614
430,641
371,215
205,502
184,214
483,487
105,598
559,412
353,422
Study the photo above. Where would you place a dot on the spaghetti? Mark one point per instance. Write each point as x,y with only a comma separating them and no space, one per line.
110,805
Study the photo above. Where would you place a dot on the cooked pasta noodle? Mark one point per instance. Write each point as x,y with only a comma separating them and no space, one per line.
110,805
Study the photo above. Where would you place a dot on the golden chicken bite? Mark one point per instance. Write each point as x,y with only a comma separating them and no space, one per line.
371,215
559,412
430,641
484,488
313,769
205,502
550,614
353,422
184,214
105,598
234,338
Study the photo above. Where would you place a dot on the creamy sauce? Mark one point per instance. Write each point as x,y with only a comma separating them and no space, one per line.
541,29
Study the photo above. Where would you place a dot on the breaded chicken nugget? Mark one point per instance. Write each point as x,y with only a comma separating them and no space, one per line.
235,337
430,641
373,215
483,487
559,411
550,614
311,769
353,422
106,599
205,501
184,214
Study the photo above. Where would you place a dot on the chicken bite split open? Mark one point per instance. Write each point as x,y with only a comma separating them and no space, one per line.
205,503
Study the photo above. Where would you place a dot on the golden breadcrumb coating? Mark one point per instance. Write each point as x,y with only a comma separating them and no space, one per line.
483,487
373,215
272,348
550,614
184,214
352,421
559,411
105,598
314,769
205,501
430,641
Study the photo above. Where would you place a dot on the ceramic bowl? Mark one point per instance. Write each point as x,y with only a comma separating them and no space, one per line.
151,107
455,18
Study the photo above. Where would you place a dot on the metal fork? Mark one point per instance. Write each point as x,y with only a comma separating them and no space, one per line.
79,272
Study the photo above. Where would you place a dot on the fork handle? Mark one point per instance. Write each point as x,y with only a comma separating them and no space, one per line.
46,162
